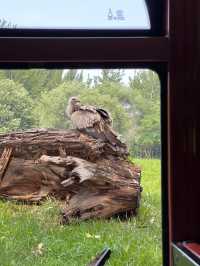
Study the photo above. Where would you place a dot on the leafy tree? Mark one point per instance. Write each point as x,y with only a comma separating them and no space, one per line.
53,78
50,110
5,24
2,74
146,96
15,107
110,75
89,81
118,90
73,74
35,81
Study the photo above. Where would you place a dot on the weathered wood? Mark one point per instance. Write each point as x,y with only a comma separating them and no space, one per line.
4,161
94,180
34,143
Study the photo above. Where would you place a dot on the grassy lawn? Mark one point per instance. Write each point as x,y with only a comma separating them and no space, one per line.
32,235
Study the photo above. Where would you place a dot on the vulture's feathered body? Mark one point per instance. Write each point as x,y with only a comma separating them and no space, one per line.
96,122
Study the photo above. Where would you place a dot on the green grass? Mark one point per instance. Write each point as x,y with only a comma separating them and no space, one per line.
136,242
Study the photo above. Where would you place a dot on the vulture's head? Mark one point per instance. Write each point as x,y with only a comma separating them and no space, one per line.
72,106
73,101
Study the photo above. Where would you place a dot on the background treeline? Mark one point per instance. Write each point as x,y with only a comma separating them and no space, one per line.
38,98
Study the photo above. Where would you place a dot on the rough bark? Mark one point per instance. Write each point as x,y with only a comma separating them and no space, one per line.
95,179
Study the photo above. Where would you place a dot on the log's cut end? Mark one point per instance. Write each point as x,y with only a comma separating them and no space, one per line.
94,179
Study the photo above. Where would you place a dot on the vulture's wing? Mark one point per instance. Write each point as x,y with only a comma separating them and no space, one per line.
96,123
105,115
85,117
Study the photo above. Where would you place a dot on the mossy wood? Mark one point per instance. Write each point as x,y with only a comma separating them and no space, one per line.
95,179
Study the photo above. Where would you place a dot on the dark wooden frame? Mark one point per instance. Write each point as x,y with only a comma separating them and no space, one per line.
172,49
184,120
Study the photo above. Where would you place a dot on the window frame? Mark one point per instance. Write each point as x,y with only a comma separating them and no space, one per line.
103,49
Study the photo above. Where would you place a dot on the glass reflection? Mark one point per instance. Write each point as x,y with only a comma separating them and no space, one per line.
76,14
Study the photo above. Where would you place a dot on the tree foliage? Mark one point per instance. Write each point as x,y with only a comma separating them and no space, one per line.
15,107
110,75
4,24
35,80
72,75
146,94
50,110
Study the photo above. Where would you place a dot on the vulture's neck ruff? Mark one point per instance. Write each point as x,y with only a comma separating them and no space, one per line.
72,107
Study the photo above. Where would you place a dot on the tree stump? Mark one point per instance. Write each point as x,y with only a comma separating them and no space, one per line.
95,179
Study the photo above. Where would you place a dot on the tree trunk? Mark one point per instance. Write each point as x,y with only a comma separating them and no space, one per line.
95,179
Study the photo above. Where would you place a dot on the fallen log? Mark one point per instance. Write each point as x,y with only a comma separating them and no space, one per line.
94,179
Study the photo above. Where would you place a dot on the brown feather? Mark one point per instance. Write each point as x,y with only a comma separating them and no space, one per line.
84,119
94,121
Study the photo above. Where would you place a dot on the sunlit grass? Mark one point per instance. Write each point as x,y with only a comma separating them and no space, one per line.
32,235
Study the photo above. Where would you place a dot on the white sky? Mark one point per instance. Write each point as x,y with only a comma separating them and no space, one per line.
75,13
96,72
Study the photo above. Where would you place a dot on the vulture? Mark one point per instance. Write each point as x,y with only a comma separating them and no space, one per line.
95,122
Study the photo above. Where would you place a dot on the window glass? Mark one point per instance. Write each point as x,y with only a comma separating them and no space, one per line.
37,98
76,14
